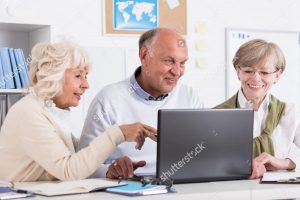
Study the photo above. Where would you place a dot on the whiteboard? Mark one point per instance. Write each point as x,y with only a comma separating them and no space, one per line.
287,88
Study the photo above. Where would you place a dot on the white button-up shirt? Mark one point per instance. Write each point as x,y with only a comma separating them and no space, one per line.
286,136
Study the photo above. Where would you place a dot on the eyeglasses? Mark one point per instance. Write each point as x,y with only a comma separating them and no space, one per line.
248,72
149,180
156,181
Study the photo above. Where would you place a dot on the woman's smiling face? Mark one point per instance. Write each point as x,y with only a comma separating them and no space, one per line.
257,80
74,85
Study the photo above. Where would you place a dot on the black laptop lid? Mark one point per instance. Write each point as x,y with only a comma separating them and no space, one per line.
204,145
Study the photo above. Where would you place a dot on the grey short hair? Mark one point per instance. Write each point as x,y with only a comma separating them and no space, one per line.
147,39
258,50
48,64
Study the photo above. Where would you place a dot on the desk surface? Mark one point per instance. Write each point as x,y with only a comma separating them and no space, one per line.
241,189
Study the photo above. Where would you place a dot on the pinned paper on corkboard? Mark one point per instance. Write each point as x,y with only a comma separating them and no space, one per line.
201,27
201,45
201,62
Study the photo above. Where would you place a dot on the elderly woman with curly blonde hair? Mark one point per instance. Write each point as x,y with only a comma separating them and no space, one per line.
36,142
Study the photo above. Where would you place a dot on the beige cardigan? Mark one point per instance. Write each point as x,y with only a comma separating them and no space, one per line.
33,148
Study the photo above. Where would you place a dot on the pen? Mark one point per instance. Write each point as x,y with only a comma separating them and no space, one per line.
19,190
120,179
134,178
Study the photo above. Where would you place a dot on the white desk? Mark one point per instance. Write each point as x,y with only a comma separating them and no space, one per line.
242,189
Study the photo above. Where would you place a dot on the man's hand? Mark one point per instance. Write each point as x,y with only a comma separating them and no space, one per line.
137,132
123,167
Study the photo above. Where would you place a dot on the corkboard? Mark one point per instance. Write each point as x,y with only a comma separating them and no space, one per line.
173,18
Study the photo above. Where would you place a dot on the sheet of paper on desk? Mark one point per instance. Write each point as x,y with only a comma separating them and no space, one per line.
281,176
67,187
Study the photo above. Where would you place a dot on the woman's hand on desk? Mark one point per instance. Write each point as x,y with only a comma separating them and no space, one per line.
137,132
272,163
258,169
123,167
265,162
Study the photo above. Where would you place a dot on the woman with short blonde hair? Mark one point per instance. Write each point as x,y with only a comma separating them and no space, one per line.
259,65
259,50
48,65
36,141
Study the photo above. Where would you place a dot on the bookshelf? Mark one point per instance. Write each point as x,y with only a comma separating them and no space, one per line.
14,91
24,36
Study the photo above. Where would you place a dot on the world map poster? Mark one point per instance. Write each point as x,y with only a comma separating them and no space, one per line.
138,16
135,14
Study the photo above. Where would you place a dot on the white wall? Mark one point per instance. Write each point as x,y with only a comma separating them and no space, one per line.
81,20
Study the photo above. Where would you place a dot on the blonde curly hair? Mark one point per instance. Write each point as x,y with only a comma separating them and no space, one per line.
48,64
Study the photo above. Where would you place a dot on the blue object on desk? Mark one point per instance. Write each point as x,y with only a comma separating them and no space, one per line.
139,189
10,193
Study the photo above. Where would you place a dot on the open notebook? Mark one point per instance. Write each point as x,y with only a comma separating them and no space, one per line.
67,187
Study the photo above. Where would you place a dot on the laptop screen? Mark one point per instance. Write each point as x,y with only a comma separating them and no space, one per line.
204,145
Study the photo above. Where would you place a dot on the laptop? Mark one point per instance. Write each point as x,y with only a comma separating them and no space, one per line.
199,145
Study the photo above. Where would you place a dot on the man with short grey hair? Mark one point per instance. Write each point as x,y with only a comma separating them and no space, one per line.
163,53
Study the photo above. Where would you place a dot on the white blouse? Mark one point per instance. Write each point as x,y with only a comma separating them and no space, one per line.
286,136
62,117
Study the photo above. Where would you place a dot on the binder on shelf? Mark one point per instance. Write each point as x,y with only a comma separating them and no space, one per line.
14,68
3,107
11,99
2,82
25,65
7,69
22,67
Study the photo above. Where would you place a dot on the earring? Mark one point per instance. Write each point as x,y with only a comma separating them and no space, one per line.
48,103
